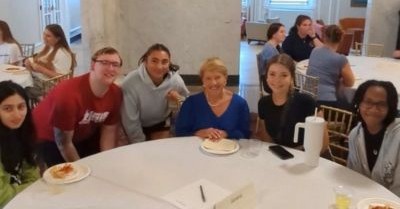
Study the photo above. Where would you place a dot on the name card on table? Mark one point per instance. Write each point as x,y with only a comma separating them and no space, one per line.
242,198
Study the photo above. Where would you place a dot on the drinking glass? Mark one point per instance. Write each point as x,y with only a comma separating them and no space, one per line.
250,148
343,197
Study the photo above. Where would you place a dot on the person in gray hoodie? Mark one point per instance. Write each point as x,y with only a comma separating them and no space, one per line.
374,144
147,93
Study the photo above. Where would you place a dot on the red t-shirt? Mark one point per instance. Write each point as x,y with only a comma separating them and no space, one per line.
72,106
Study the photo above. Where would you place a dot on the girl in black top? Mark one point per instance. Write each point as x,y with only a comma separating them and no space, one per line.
284,107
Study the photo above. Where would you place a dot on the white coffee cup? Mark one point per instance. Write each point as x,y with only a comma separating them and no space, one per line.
313,138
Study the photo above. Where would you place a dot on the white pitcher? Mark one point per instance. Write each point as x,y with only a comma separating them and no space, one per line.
313,138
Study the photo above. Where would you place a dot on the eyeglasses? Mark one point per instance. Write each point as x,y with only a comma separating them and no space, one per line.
106,63
369,104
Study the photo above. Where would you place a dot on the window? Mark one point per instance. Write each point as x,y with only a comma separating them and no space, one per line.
295,4
244,3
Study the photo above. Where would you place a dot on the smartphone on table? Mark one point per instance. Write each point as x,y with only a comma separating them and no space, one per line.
281,152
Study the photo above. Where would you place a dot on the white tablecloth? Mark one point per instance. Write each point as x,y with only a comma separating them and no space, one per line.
22,77
136,176
366,68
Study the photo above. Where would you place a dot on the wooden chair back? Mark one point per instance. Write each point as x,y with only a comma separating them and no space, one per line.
50,83
339,124
345,44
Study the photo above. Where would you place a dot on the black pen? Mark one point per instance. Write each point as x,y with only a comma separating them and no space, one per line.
202,194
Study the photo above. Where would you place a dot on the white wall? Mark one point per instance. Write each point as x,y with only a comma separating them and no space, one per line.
193,30
382,24
330,11
74,13
5,10
25,23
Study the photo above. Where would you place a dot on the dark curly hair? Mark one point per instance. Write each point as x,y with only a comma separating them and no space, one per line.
392,99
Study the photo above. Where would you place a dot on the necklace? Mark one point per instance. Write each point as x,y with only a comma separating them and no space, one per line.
218,103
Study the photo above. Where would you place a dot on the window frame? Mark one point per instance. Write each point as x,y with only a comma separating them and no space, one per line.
309,5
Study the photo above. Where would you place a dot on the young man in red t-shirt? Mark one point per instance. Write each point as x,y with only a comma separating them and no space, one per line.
79,116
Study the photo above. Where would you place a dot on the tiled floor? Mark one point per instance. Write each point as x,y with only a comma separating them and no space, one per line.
249,81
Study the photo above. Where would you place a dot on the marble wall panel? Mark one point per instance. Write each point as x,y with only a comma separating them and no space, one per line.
193,30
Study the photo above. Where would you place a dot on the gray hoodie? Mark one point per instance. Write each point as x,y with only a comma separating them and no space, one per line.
146,104
387,167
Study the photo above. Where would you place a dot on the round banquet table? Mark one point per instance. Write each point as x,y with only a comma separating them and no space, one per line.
22,77
366,68
138,175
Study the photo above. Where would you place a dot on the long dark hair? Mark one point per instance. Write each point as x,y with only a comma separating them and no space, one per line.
274,28
58,32
7,35
391,97
300,19
158,47
16,145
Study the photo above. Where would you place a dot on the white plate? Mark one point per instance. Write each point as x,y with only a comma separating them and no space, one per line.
364,203
80,172
12,68
221,152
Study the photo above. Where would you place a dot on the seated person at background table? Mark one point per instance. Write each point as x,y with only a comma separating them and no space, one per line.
79,116
374,144
17,164
284,107
147,92
332,69
215,113
54,59
301,39
396,54
10,50
275,35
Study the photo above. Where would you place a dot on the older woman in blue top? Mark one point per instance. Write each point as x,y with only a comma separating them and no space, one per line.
215,113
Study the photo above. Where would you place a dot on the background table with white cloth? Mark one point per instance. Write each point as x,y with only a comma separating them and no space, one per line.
23,77
138,175
366,68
